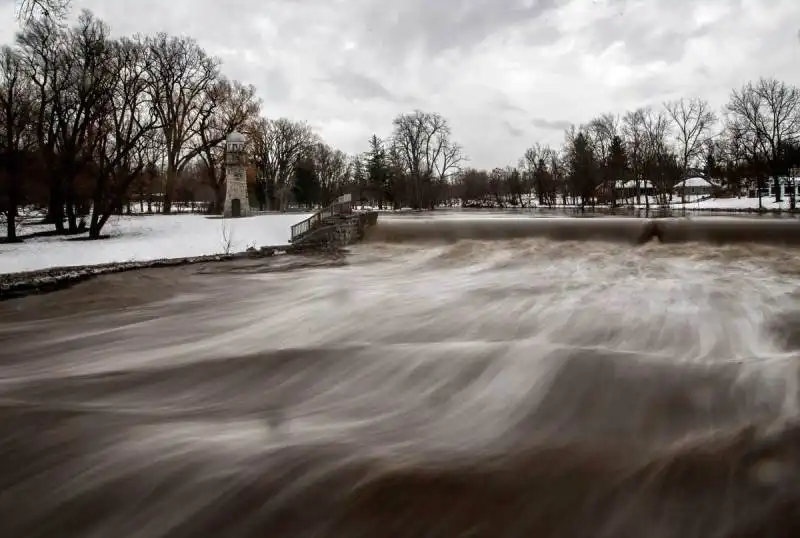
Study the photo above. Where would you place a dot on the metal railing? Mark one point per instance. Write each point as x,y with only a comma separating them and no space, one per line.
314,221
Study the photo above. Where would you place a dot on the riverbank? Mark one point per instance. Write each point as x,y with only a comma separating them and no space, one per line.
22,284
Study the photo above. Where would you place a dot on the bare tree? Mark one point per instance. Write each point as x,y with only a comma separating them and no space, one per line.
769,112
181,79
276,147
528,164
53,10
125,132
602,131
693,120
41,44
450,159
423,142
91,77
659,160
333,167
72,78
745,154
633,128
16,136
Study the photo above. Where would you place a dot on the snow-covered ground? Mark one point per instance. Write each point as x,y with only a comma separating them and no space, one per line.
738,204
145,238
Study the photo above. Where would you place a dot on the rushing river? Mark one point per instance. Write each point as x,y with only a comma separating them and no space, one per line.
468,388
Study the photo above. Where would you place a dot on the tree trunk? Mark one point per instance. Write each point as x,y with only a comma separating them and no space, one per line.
55,209
169,185
72,221
219,198
94,228
11,224
777,186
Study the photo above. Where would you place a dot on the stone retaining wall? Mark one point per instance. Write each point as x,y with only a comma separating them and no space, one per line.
340,231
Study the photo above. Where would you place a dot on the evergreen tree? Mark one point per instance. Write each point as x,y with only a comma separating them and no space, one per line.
543,180
306,187
616,167
584,168
377,169
358,177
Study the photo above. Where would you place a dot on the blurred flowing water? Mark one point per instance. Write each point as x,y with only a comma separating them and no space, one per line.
474,387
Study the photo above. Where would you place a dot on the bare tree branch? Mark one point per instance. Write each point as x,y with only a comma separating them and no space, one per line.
277,145
693,120
53,10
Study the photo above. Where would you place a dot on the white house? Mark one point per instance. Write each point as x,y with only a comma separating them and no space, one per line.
630,189
694,186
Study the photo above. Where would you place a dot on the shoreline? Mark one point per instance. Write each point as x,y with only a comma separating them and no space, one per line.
26,283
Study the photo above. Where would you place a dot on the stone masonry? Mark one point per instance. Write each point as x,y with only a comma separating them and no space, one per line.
237,203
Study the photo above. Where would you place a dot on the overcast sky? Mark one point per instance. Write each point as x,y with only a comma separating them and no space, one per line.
505,73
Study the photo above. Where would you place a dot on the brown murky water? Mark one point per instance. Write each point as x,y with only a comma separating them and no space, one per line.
475,387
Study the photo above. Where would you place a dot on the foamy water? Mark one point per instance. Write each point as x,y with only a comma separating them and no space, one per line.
499,388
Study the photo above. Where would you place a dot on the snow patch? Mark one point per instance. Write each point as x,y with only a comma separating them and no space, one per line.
147,238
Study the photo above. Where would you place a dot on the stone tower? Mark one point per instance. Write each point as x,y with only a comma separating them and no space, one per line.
236,201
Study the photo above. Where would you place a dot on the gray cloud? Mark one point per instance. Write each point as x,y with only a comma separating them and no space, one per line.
516,132
558,125
499,70
502,103
357,86
277,87
446,24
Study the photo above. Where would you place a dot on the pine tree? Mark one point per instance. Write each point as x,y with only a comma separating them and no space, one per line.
616,167
306,188
377,169
584,168
358,177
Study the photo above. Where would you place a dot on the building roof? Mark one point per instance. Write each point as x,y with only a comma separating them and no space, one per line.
694,182
631,184
236,137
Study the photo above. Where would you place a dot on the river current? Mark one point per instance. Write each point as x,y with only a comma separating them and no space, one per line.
481,387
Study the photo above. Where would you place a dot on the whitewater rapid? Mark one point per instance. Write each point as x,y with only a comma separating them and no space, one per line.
498,387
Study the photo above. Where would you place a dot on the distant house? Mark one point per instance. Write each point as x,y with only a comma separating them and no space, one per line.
630,189
788,186
624,191
694,186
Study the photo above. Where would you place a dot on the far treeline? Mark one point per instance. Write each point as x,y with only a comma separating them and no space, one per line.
91,126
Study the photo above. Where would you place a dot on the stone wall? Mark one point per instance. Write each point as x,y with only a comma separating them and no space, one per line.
340,232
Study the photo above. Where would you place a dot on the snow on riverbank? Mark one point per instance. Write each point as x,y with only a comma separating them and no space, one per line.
739,204
145,238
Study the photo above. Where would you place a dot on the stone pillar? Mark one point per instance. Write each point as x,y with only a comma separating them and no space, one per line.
237,203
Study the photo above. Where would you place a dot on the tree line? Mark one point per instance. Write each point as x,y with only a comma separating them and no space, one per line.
636,157
752,140
90,123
